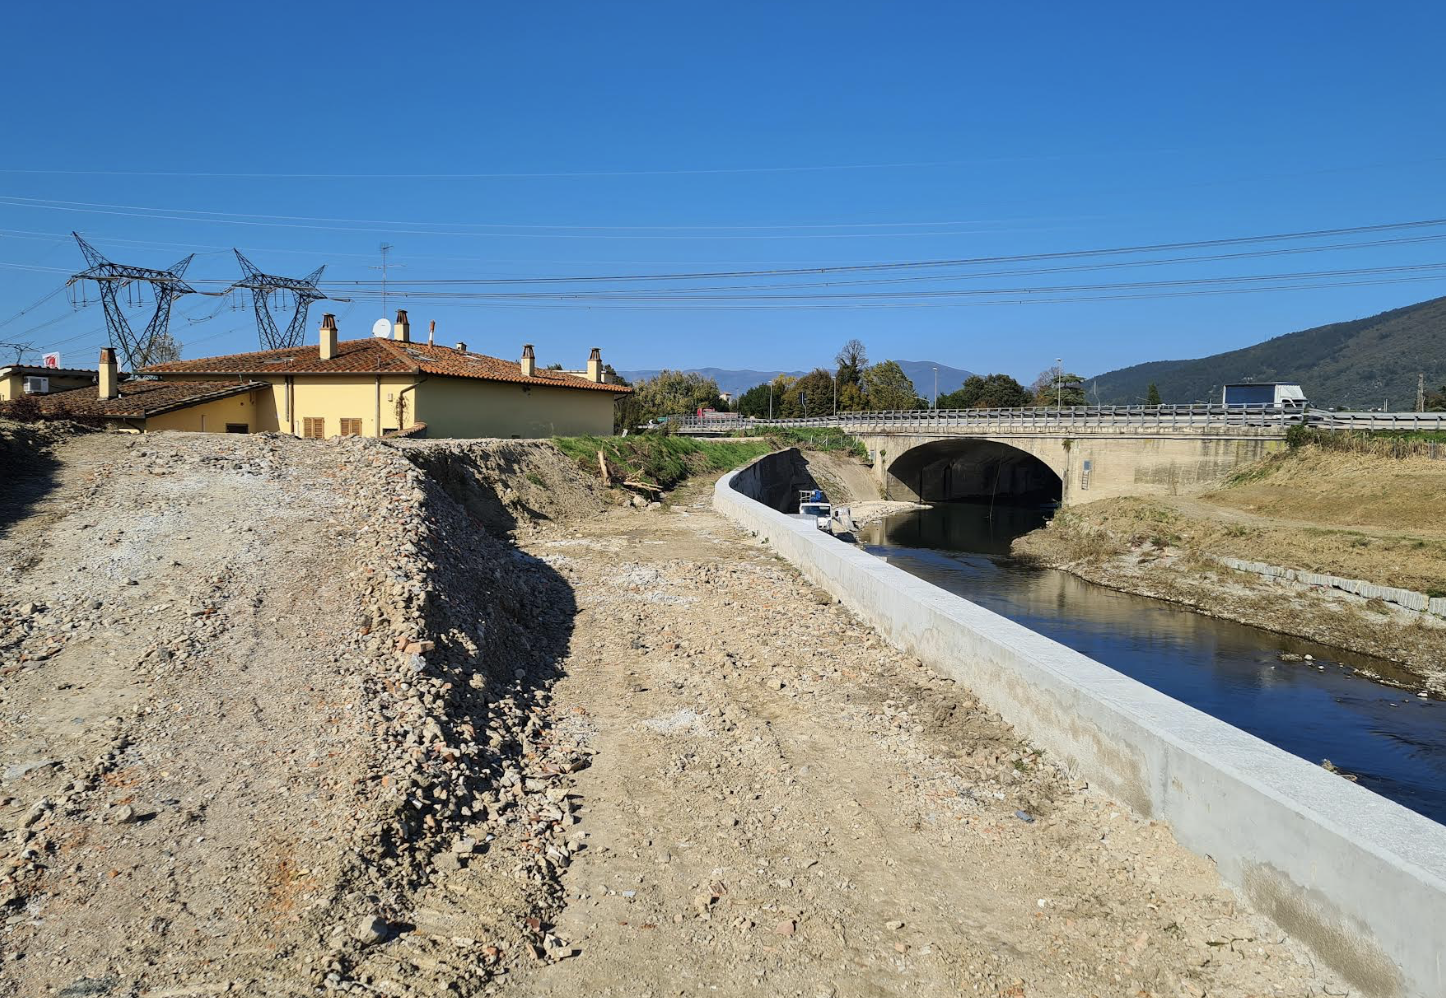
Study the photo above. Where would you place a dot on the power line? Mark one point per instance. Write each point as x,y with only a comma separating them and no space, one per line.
959,262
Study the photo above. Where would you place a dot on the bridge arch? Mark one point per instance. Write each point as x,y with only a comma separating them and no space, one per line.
972,468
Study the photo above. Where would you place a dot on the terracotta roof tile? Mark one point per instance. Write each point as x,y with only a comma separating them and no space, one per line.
140,399
378,356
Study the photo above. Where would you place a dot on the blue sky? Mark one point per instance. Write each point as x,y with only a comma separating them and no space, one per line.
648,138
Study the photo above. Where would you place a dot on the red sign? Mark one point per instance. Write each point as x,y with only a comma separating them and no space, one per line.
50,360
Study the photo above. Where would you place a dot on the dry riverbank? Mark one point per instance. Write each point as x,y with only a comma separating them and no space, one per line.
1382,520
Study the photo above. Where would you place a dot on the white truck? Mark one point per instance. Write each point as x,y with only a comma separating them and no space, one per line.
1264,394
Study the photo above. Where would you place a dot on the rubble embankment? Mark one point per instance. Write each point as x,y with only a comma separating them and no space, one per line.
265,706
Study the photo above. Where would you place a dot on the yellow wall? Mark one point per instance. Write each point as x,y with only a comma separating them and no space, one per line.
13,385
210,417
451,407
466,407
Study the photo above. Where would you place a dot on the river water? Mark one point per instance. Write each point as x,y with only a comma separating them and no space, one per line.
1392,740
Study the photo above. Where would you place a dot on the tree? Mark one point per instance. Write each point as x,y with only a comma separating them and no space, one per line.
991,391
785,405
1053,388
753,402
851,361
1436,401
1152,397
164,348
851,398
627,412
888,387
676,393
811,395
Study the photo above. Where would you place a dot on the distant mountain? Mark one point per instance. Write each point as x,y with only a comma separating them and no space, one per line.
920,372
1357,364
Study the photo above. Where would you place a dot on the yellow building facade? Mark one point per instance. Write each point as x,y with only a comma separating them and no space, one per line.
376,386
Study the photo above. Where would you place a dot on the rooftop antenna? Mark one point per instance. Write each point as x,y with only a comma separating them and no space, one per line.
385,248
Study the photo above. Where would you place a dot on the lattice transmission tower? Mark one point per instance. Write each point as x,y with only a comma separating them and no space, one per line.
262,286
167,285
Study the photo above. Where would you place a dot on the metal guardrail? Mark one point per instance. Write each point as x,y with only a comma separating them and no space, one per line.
1075,418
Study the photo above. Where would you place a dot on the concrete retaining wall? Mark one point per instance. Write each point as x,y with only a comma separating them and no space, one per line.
1408,598
1358,879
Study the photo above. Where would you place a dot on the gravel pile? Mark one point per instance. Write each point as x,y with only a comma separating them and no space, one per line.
260,699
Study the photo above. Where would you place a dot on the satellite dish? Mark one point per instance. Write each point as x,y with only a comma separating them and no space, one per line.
381,328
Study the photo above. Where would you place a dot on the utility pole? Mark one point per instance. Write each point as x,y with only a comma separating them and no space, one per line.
936,386
835,395
1059,383
770,401
1421,392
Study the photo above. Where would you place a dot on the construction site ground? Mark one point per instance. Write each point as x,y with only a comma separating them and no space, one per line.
673,769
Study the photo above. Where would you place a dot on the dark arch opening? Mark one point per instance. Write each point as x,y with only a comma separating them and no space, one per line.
968,469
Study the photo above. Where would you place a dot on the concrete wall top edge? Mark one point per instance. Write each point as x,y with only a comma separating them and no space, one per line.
1369,821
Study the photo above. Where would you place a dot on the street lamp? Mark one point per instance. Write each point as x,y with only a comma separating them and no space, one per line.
936,386
1058,383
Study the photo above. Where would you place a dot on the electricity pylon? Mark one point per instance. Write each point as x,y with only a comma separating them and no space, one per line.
303,290
111,277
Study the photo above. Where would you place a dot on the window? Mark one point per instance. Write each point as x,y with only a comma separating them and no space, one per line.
351,427
238,428
313,427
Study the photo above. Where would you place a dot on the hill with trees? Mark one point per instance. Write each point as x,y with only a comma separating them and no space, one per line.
1354,365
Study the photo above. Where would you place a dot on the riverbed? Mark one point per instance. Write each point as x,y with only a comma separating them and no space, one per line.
1299,695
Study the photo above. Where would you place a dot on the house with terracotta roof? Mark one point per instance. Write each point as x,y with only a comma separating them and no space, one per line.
375,386
30,379
138,406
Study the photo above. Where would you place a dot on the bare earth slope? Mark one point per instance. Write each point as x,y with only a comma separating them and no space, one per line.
252,709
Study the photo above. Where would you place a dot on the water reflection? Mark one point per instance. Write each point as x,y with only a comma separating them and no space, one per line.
1318,709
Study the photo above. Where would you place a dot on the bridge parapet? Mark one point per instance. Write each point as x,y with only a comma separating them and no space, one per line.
1077,419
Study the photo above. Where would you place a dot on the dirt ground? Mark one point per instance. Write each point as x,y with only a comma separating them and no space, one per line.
291,717
779,803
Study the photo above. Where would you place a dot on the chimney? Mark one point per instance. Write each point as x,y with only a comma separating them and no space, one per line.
328,336
594,366
460,348
402,330
431,332
529,361
108,376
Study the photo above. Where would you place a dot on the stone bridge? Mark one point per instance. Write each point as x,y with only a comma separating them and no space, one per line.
1069,455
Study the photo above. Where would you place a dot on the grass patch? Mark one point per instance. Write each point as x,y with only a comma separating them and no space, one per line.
659,459
1382,443
822,438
